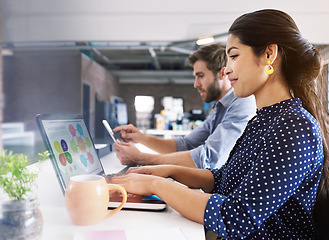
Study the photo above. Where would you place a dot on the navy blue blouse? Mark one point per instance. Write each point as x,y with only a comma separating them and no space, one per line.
267,188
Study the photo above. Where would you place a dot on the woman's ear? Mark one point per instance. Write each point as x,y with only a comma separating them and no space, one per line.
271,53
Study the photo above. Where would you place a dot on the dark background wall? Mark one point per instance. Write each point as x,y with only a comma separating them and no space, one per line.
52,82
40,82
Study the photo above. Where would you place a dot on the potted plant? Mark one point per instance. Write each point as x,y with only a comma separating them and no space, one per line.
21,218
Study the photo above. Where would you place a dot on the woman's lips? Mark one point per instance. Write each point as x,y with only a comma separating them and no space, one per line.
233,81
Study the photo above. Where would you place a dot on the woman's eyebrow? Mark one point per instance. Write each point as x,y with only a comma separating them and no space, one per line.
229,50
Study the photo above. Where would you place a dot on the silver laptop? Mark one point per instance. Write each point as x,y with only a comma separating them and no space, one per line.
72,152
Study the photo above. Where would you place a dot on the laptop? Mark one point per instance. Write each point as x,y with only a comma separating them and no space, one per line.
72,152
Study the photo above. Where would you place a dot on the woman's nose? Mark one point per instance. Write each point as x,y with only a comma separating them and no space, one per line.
227,70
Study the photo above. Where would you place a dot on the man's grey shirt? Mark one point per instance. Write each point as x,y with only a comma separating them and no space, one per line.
211,143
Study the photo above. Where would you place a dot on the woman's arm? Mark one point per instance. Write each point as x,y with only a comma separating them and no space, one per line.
191,177
189,203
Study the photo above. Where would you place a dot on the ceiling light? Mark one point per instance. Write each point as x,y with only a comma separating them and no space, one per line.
205,40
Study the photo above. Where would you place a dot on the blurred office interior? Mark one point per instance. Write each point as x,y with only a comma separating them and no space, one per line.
121,61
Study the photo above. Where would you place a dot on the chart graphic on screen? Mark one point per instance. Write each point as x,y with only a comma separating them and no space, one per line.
72,147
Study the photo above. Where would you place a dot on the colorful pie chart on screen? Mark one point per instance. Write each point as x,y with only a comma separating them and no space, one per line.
74,152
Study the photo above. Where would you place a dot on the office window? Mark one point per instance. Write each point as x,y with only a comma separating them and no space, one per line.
144,106
144,103
173,107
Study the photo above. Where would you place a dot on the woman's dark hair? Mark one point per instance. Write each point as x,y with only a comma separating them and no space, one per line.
214,55
301,67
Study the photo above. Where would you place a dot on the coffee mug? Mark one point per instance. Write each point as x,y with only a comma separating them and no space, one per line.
87,197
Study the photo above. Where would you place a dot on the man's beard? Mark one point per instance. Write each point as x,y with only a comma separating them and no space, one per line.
213,91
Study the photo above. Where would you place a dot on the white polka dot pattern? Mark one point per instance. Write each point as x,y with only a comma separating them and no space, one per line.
267,189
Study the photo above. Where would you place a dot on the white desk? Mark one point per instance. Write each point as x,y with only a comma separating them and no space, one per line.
167,134
136,224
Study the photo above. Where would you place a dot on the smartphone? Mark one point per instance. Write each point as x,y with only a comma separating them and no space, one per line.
109,129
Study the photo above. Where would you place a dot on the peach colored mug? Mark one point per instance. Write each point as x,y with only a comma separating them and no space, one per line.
87,197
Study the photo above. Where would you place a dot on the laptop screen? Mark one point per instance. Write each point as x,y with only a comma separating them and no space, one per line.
72,153
70,145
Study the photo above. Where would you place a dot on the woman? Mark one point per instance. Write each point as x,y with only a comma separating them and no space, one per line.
268,186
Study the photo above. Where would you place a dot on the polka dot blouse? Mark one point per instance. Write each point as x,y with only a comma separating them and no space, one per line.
267,188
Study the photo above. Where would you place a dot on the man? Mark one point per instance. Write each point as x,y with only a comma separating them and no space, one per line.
208,145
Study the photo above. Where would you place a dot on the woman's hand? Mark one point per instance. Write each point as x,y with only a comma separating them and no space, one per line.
137,183
188,202
191,177
158,170
142,180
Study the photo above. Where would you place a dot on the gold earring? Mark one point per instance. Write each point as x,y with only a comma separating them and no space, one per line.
269,69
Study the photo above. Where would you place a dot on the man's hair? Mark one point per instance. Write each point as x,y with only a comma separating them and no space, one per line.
214,56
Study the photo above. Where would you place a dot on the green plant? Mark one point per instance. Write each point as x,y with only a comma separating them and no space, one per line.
16,178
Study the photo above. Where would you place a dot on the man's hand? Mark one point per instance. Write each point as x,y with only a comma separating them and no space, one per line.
129,133
126,152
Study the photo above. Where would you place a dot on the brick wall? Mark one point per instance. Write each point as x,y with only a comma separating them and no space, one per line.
103,85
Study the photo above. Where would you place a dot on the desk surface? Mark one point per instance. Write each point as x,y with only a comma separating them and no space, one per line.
136,224
167,134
